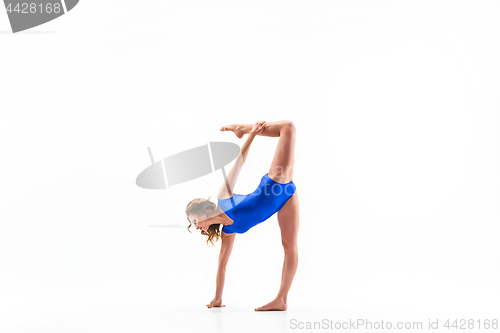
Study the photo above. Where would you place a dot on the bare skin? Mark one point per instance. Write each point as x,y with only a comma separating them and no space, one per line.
281,171
235,129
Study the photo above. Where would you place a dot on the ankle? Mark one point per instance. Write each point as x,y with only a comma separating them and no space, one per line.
281,299
244,128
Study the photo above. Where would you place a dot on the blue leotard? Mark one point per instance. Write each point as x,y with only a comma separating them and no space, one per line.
249,210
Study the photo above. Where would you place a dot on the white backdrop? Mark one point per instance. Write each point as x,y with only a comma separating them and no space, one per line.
397,161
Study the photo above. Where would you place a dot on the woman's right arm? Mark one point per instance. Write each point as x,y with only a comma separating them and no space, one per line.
225,253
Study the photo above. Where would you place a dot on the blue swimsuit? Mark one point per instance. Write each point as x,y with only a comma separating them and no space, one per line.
247,211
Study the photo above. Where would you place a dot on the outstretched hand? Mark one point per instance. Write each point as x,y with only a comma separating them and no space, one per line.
258,127
215,303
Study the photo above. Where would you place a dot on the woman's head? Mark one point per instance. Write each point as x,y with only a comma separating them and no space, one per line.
198,212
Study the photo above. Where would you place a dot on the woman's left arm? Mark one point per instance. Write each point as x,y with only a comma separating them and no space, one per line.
226,190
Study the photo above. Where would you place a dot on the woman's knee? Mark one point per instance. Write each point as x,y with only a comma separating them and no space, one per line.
288,124
287,127
291,249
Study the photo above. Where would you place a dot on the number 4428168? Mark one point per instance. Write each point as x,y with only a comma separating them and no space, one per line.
32,8
463,324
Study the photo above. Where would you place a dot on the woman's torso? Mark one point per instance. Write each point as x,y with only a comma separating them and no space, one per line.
246,211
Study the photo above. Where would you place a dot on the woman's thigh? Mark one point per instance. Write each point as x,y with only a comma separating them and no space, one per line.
281,169
288,220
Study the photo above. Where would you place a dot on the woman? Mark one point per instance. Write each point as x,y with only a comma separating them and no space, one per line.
238,213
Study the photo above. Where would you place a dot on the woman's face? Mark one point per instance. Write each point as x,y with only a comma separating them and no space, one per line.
199,221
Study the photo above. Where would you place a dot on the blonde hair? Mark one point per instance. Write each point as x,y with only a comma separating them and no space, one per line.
202,206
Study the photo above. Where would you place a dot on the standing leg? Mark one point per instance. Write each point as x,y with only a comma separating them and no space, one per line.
288,219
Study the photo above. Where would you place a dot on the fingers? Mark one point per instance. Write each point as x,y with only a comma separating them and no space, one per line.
260,126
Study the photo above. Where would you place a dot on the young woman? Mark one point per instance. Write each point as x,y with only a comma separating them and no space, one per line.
237,213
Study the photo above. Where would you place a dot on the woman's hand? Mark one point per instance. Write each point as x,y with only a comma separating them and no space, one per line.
215,303
258,127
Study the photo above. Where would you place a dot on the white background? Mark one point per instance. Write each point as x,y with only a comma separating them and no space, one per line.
397,162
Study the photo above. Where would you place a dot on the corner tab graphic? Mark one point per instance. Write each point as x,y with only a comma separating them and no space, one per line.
27,14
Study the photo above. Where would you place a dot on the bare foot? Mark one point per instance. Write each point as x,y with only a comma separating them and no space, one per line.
276,305
234,128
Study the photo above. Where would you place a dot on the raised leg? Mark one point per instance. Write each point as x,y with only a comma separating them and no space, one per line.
288,219
281,169
272,128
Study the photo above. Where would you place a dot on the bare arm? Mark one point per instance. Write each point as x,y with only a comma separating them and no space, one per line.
225,253
226,190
